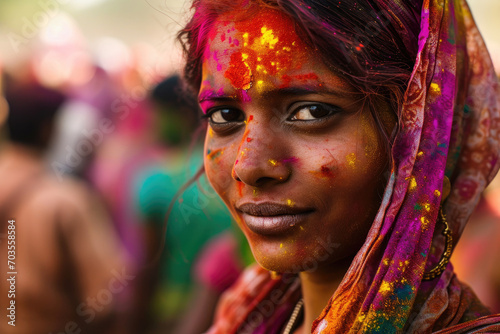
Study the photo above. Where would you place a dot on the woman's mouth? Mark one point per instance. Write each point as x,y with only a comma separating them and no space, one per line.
272,218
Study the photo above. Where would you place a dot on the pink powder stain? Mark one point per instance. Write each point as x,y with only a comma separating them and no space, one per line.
222,37
291,159
236,42
244,95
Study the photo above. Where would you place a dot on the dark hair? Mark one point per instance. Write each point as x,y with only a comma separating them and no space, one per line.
372,43
32,109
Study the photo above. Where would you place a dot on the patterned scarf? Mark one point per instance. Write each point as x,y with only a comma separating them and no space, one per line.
450,126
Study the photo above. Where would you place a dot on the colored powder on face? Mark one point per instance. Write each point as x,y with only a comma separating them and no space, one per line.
272,162
291,160
239,72
324,172
240,188
249,139
215,154
270,46
290,203
351,160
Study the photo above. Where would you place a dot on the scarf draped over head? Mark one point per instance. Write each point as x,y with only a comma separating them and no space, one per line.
449,126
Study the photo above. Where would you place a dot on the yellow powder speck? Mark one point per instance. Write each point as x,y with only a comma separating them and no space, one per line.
260,82
259,58
351,160
413,184
420,153
281,245
424,221
268,38
286,48
435,87
210,132
301,228
427,206
386,261
385,287
290,203
437,193
272,162
361,318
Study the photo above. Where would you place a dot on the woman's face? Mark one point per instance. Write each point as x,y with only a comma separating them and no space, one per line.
290,148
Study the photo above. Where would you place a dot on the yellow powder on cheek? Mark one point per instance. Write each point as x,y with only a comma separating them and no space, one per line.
351,160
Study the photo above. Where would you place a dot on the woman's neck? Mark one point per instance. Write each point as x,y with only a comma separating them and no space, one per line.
317,289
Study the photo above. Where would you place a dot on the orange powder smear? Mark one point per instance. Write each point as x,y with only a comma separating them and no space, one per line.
240,188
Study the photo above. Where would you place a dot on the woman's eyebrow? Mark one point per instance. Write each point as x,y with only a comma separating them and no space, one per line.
213,96
300,91
285,91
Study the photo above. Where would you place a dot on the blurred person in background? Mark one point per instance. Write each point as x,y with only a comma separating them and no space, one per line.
68,260
196,215
218,266
476,258
3,104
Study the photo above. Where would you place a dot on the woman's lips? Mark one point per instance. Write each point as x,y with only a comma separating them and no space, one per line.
272,218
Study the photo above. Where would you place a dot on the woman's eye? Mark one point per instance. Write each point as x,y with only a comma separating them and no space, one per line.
223,116
313,112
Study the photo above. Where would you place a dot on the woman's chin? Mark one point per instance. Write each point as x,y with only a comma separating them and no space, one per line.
289,258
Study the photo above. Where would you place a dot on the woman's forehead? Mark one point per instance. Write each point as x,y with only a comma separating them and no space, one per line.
248,52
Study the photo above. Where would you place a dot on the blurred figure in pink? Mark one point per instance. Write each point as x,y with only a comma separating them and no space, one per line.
477,256
68,263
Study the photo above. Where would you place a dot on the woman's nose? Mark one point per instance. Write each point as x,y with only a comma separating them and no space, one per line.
260,159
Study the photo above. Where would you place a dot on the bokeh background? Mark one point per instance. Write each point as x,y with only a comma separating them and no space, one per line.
116,141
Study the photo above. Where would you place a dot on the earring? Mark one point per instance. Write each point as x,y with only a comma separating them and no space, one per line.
441,266
445,258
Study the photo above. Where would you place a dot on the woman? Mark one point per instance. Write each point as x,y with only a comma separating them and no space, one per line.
333,129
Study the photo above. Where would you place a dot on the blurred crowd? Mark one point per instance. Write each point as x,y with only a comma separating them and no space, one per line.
101,167
117,228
